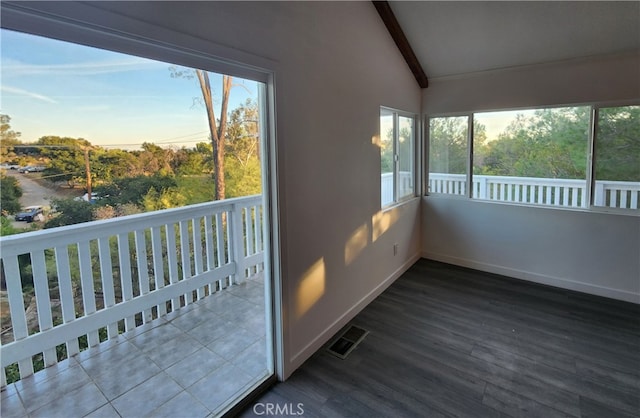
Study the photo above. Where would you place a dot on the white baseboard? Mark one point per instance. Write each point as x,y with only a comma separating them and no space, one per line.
536,278
301,356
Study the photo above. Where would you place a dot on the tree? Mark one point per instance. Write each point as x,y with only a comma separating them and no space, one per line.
217,131
155,159
107,165
618,144
194,161
552,143
10,193
448,138
242,157
67,158
70,212
6,228
133,189
165,199
8,137
217,128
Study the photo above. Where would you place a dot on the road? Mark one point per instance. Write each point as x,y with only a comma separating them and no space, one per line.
32,193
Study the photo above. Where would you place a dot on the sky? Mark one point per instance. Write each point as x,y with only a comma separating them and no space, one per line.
496,122
50,87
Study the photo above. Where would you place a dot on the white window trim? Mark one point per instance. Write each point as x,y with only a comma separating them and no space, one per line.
415,160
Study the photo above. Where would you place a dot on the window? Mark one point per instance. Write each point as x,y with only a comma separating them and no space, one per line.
617,157
128,133
125,133
540,156
397,156
532,156
448,139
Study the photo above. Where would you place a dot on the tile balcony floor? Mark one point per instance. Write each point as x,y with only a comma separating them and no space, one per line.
189,363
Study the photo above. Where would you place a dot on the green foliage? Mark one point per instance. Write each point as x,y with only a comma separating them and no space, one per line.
618,144
8,138
552,143
448,138
386,150
155,160
66,158
6,227
403,147
10,193
242,153
196,161
165,199
107,165
133,189
196,189
70,212
153,178
242,179
107,211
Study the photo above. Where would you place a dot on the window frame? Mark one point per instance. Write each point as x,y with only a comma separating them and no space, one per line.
590,157
84,24
396,115
469,153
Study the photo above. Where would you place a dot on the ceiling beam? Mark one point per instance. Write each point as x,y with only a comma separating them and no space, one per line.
390,21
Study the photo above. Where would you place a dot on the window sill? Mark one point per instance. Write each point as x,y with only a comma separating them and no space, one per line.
403,202
591,209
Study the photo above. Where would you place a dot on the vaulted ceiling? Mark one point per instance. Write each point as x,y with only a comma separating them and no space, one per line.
452,37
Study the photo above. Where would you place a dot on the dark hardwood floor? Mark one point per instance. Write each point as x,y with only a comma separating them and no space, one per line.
448,341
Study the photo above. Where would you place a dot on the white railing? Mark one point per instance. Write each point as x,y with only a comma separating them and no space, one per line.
95,280
541,191
617,194
405,186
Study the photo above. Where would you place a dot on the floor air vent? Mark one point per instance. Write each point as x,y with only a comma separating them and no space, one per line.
347,342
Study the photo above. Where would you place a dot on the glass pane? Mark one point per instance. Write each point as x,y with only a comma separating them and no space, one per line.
136,136
536,156
386,156
617,158
448,155
405,156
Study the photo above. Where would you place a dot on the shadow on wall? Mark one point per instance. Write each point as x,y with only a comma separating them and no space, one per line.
312,285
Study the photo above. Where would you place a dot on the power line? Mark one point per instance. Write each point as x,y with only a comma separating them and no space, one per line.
191,141
172,140
62,174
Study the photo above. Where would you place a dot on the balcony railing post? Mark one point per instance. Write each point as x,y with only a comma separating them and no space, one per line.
482,192
599,194
237,242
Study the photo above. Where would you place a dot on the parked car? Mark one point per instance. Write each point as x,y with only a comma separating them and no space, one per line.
29,214
8,166
31,169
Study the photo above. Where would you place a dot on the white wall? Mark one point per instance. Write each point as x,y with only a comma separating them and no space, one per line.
335,65
592,252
